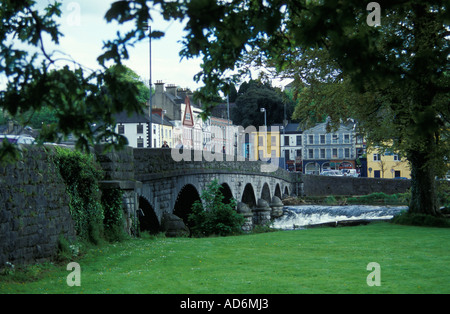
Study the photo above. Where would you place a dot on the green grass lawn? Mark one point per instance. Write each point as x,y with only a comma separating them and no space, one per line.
321,260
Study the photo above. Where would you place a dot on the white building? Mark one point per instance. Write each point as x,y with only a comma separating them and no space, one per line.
135,128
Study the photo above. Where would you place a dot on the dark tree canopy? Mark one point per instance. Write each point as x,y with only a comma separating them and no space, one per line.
254,95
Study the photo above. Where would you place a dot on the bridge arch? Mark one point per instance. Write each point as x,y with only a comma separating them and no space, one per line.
265,193
286,191
278,191
226,191
148,221
248,196
187,195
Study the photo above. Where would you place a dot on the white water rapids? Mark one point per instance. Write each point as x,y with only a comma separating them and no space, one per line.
295,217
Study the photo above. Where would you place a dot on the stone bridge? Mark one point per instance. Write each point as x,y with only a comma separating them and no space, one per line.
164,184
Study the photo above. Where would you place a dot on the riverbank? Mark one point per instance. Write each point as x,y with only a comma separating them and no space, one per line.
322,260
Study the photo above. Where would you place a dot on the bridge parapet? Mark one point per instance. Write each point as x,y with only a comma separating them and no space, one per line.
152,163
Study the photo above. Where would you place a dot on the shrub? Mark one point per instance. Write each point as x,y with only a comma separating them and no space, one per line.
217,218
416,219
113,212
81,174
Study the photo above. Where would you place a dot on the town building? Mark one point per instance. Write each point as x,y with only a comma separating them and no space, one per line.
386,164
169,98
323,150
291,142
134,127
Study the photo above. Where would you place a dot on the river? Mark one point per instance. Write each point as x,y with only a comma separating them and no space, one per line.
296,217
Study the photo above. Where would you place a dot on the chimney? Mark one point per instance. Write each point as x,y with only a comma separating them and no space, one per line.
172,89
159,87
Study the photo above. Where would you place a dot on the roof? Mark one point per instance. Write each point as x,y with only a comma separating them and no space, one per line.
123,117
291,128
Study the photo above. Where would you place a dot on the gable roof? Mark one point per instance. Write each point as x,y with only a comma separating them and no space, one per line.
123,117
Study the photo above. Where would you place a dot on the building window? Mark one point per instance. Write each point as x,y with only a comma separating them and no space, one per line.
311,153
311,139
322,153
335,153
140,129
359,139
286,141
334,139
299,140
322,138
121,129
140,142
376,157
346,138
299,153
396,158
347,153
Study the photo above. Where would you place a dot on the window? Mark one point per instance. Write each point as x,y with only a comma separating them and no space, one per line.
335,153
286,154
121,129
322,138
322,153
140,128
140,142
273,141
347,153
334,139
299,153
346,138
376,157
396,157
310,153
299,140
286,141
377,174
311,139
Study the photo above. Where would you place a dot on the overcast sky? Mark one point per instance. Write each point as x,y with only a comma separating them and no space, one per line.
84,28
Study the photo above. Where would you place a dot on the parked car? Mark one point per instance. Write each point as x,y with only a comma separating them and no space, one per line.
17,139
351,173
333,173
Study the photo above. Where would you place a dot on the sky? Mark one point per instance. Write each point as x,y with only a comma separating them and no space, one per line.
85,29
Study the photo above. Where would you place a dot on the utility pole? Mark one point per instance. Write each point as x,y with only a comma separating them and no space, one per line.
150,85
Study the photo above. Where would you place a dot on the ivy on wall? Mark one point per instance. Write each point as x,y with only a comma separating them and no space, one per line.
97,214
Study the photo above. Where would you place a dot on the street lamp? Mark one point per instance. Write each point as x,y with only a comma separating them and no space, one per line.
148,26
265,116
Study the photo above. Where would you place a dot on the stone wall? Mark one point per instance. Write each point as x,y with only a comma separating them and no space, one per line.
150,164
34,208
313,185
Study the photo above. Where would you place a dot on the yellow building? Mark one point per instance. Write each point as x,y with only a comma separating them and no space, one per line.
386,165
267,144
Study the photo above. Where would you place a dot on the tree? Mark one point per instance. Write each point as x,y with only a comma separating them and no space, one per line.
253,96
36,79
216,217
396,70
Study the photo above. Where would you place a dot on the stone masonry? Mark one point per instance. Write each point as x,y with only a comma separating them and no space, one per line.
34,208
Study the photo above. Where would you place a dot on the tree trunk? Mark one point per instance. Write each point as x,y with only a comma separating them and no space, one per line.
423,185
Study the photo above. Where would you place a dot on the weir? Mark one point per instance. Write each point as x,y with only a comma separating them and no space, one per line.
295,217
